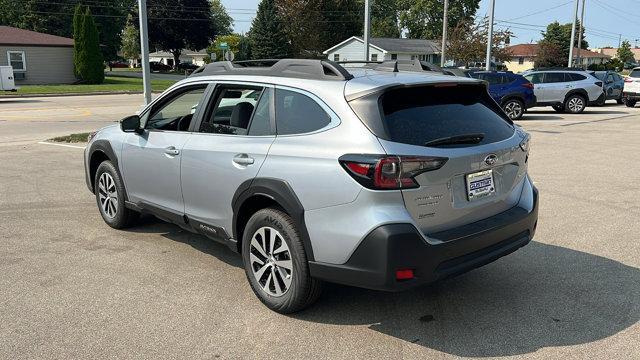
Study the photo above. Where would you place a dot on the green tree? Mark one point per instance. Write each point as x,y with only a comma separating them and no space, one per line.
423,18
222,22
175,25
550,55
384,19
244,49
268,37
233,41
91,69
78,16
468,42
624,53
130,41
560,35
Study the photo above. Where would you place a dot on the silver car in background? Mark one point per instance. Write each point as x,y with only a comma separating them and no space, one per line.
370,177
566,90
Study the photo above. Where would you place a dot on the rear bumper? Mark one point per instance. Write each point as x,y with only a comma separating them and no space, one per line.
530,102
631,95
392,247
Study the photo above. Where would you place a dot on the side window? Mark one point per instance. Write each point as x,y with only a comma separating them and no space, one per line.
553,77
610,78
575,77
297,113
260,124
231,110
176,114
534,78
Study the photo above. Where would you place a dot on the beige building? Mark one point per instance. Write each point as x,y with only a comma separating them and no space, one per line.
523,57
613,52
37,58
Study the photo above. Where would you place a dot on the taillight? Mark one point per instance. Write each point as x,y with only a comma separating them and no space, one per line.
599,83
628,79
382,172
528,85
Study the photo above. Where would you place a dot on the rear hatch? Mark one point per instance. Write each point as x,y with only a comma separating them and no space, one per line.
632,82
485,152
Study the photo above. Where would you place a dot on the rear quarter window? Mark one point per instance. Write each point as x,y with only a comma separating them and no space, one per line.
297,113
417,115
575,77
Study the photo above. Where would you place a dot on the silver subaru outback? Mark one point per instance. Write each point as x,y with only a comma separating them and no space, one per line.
366,176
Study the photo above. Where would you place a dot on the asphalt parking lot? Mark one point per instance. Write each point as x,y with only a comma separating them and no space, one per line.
71,287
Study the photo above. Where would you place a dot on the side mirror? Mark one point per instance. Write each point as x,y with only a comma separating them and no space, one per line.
131,124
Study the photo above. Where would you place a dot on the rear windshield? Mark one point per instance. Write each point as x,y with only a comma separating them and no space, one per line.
418,115
635,73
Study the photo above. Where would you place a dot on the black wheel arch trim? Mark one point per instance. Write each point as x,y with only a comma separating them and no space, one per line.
103,146
581,92
512,96
279,191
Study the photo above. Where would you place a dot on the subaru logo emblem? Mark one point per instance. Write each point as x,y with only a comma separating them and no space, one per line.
491,159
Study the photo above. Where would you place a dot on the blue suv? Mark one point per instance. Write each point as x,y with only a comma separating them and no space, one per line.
513,92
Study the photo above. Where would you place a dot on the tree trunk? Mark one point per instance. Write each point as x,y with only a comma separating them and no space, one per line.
176,58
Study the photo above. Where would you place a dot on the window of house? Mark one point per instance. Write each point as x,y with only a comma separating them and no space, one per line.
336,57
374,57
17,60
237,110
521,60
176,113
394,56
297,113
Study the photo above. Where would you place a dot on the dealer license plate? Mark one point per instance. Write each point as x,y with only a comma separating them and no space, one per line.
480,184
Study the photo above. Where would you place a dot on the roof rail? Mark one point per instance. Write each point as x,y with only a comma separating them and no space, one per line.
292,68
395,65
558,68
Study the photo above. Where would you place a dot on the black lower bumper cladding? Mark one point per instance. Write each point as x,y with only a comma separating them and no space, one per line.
392,247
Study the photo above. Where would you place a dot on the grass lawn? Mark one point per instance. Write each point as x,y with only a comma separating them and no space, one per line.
73,138
111,84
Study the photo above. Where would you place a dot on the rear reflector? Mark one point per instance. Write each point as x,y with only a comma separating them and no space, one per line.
404,274
382,172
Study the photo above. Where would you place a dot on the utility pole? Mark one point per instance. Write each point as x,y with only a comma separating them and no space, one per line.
444,33
580,33
490,35
619,40
573,34
367,19
144,48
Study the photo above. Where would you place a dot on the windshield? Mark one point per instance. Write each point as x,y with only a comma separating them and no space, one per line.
635,73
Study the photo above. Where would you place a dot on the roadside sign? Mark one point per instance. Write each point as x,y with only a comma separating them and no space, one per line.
229,55
213,56
223,46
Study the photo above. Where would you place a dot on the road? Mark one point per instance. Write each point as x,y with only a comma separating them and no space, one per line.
74,288
138,74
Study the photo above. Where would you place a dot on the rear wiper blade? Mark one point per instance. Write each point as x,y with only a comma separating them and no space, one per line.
458,139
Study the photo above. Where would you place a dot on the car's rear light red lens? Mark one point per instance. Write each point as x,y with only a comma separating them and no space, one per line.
381,172
628,79
528,85
599,83
404,274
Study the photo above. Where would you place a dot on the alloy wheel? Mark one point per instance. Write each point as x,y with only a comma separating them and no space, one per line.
513,109
576,104
270,261
108,195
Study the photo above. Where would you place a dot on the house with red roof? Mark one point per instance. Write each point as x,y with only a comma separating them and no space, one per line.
523,57
37,58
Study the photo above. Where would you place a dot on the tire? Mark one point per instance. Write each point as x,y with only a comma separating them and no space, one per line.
630,103
514,108
111,201
575,104
620,100
281,289
558,108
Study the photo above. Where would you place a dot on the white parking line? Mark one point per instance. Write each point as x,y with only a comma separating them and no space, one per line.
65,145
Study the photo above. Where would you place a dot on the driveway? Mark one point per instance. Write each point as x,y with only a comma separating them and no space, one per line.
74,288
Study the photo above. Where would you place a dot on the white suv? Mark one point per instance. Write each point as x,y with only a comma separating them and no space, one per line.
631,92
566,90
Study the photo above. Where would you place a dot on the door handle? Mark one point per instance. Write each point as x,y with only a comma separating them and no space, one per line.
243,159
171,150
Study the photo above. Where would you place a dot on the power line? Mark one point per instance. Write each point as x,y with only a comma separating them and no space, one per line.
540,11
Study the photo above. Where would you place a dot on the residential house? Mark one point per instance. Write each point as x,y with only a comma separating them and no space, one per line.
613,52
380,49
523,57
37,58
189,56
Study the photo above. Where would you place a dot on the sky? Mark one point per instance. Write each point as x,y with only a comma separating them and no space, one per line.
604,19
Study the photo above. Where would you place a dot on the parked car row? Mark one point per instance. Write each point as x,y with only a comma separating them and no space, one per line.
565,90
